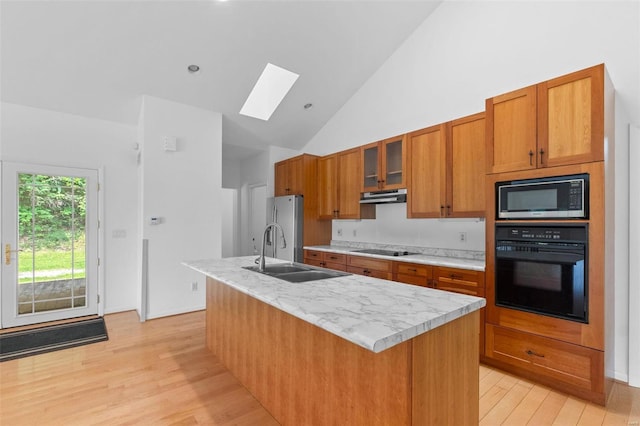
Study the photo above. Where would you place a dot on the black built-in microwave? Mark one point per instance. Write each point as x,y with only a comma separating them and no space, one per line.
558,197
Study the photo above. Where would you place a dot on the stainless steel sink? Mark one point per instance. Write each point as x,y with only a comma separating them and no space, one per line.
284,269
296,272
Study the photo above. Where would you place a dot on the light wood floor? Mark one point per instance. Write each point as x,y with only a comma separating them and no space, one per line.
160,373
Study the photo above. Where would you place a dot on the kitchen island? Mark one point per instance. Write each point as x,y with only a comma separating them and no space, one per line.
349,350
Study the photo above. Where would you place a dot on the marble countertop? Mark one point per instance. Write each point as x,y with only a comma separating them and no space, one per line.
373,313
425,259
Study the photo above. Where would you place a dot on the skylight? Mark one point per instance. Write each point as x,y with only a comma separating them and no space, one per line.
272,86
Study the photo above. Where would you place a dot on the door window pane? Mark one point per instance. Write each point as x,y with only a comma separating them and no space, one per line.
51,239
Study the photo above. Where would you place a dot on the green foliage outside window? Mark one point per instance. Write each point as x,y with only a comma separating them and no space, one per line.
52,211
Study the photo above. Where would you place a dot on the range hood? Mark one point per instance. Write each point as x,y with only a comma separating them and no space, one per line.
384,197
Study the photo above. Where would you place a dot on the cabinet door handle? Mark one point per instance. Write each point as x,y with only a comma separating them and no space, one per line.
541,154
448,210
530,157
530,352
412,269
441,210
455,277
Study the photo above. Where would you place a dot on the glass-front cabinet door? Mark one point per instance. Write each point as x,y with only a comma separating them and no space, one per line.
394,176
384,165
370,168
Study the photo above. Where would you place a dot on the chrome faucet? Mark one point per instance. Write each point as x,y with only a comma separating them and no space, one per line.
260,260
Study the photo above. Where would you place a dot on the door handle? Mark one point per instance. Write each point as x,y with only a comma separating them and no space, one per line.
7,253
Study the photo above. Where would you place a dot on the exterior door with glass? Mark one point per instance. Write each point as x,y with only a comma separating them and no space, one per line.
49,242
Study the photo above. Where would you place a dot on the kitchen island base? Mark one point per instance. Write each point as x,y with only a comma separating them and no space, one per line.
304,375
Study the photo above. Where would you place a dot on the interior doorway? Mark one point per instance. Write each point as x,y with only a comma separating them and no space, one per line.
257,217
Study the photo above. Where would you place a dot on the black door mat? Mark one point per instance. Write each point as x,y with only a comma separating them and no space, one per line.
32,342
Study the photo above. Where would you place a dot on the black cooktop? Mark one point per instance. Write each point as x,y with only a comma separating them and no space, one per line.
383,252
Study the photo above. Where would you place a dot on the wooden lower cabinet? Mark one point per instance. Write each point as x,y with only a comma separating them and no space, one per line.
572,368
459,281
370,267
323,259
412,273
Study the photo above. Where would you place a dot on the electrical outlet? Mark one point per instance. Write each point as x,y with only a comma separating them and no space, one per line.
354,233
339,232
194,286
462,237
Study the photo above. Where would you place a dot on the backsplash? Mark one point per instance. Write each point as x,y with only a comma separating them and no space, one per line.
429,251
391,227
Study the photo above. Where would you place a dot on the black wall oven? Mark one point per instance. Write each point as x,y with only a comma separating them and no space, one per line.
542,268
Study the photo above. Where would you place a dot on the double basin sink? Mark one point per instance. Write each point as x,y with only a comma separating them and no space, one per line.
296,272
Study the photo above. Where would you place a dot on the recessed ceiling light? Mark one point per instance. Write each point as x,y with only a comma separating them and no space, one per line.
193,69
272,86
308,106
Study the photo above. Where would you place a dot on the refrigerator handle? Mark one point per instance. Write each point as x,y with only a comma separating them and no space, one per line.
271,234
274,231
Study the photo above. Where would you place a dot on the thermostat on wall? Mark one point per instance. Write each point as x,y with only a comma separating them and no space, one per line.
155,220
170,143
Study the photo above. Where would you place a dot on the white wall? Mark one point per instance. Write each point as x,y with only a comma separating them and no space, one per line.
466,52
391,226
634,260
38,136
229,210
183,189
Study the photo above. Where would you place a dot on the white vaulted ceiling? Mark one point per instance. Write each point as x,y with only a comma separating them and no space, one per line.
97,58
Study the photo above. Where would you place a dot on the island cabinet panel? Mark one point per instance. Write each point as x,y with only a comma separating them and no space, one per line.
304,375
371,267
457,362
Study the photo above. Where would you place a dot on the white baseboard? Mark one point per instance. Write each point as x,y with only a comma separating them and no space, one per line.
178,311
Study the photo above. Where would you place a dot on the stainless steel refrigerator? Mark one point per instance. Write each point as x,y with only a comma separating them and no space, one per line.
287,211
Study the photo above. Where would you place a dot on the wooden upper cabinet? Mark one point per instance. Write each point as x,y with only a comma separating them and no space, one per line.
511,131
427,157
349,164
339,187
466,150
328,186
446,169
557,122
384,164
289,176
571,118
